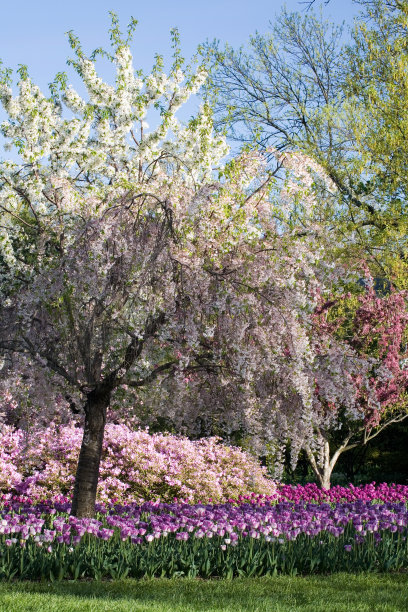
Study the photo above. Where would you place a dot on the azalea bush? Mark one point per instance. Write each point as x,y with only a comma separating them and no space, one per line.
136,466
206,540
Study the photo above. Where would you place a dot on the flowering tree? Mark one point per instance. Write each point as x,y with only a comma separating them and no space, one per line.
359,377
361,341
358,341
125,259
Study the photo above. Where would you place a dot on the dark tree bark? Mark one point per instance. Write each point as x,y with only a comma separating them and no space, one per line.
87,474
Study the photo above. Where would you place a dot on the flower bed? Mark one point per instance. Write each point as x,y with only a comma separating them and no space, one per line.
370,492
382,492
222,540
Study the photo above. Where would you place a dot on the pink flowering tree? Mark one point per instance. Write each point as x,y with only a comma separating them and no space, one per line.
130,256
359,341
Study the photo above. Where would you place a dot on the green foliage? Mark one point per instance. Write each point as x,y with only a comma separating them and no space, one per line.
376,85
300,88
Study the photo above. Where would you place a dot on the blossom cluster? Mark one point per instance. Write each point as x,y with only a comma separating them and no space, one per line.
136,466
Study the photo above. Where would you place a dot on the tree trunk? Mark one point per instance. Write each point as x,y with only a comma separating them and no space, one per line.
322,472
324,478
87,474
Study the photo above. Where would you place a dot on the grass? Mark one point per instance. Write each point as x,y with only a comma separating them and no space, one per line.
335,593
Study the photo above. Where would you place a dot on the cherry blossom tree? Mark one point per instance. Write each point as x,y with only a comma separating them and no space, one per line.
129,255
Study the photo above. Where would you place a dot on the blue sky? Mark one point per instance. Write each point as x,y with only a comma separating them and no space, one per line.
33,32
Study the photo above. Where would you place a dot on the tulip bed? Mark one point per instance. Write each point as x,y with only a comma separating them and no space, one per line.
245,537
382,492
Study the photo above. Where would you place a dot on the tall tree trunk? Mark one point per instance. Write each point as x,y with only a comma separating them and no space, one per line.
87,474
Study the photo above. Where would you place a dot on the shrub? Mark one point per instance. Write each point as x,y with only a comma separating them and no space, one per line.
136,466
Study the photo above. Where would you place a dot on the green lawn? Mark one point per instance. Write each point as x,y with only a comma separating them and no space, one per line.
337,593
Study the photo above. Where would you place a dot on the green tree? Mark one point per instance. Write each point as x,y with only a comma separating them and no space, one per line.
344,106
376,85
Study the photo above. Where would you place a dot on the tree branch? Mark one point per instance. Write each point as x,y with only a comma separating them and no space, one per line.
150,377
